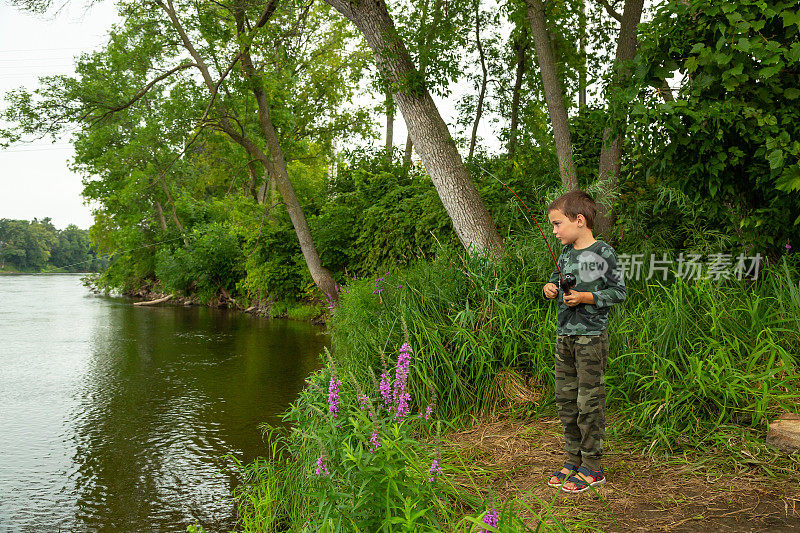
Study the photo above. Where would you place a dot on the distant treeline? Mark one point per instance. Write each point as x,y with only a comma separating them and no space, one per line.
37,245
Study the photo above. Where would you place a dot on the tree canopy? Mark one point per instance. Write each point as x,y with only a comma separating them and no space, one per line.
233,145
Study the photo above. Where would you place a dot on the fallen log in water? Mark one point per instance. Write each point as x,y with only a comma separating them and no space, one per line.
154,302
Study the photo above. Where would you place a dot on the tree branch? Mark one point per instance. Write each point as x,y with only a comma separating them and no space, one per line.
143,91
610,10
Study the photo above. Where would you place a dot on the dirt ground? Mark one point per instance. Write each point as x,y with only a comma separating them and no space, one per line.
642,494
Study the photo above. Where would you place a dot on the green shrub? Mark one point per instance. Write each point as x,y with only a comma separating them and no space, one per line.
304,312
173,269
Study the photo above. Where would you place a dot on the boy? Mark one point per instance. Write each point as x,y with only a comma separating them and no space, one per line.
581,338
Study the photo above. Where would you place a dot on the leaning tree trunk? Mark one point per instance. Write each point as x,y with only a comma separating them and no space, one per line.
611,151
273,163
553,94
160,212
276,166
430,135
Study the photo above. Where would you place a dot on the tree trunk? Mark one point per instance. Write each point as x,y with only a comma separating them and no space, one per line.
252,166
484,80
389,125
274,163
665,91
611,151
409,149
553,93
174,212
276,166
520,47
582,54
429,133
154,302
160,212
273,194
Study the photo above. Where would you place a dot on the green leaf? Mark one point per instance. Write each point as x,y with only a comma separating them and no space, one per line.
770,71
775,158
743,44
794,53
791,93
790,17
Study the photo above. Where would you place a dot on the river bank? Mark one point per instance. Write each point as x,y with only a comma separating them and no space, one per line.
313,312
510,457
697,371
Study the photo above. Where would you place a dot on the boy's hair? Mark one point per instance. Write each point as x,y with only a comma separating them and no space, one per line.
576,203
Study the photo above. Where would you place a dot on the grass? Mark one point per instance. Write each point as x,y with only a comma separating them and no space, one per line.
295,311
686,358
696,372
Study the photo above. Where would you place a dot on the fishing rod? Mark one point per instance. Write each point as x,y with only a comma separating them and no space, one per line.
566,281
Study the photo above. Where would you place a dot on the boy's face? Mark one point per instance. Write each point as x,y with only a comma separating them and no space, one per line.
567,231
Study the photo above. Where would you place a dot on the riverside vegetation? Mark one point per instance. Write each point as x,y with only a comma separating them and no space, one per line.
696,369
244,180
38,246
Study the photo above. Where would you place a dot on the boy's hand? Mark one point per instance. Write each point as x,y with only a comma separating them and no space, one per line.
550,290
574,298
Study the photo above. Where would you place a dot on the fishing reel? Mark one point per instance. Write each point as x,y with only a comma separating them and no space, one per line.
568,282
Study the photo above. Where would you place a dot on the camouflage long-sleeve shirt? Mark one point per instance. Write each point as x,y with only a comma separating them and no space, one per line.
596,271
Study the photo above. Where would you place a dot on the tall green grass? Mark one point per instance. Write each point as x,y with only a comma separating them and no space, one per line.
687,357
693,365
466,318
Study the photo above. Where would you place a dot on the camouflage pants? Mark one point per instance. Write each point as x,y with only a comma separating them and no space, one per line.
581,395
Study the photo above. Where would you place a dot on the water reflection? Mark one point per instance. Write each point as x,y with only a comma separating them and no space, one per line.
160,396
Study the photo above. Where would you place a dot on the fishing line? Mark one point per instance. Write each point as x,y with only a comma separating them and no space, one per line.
567,281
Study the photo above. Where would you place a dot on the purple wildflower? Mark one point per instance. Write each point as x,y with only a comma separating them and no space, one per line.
364,399
401,395
322,470
379,283
428,412
491,518
374,441
386,389
788,246
402,409
333,396
365,405
332,301
435,471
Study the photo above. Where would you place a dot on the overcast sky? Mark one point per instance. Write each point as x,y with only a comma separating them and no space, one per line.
35,180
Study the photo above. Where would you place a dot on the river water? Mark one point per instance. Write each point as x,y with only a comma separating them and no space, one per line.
115,417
